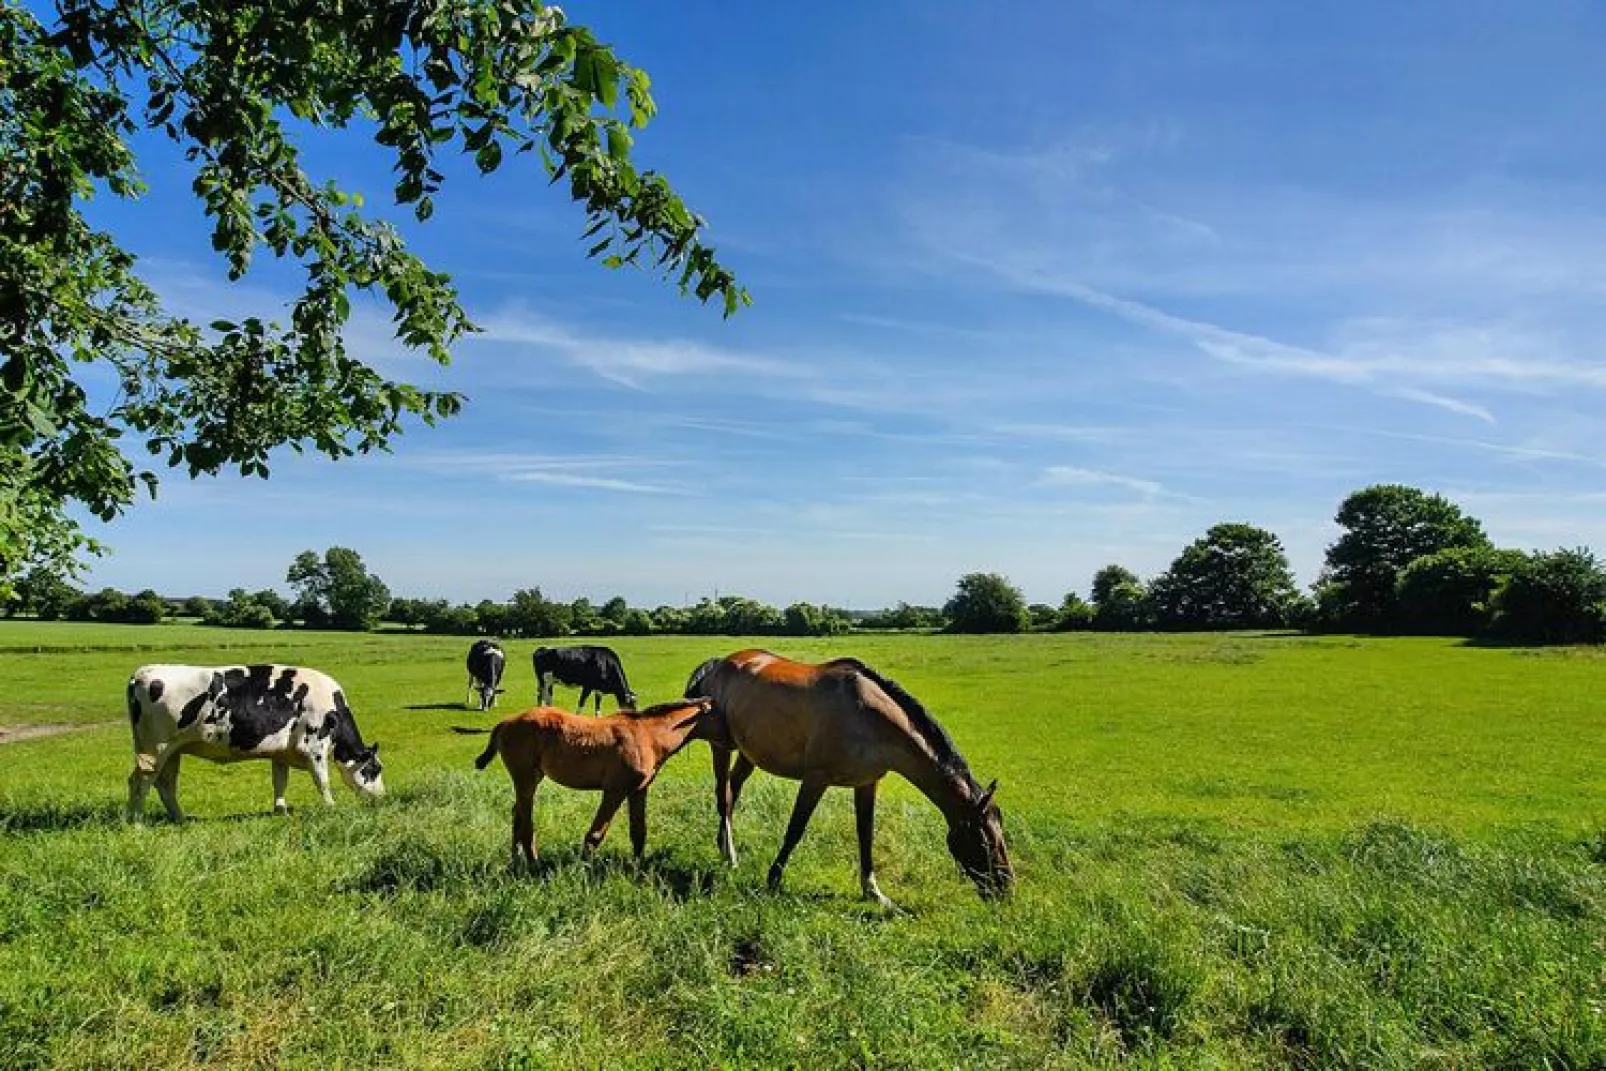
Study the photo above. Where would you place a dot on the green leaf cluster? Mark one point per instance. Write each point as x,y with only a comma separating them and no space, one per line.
233,86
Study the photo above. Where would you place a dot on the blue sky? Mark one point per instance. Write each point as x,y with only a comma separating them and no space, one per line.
1037,287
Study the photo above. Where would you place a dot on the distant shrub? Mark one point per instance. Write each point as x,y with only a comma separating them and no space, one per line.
1553,598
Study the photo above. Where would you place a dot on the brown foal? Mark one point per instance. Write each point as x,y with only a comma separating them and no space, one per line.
618,755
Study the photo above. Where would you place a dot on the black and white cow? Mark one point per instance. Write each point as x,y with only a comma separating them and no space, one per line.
293,716
590,669
485,662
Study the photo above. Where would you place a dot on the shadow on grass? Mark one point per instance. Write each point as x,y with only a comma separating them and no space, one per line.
58,817
458,707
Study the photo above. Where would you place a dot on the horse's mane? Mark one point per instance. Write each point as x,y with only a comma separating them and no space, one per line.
929,728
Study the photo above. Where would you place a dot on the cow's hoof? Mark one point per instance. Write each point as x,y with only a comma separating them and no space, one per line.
281,809
774,882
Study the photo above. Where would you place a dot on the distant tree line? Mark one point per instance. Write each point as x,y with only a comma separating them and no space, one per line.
1405,562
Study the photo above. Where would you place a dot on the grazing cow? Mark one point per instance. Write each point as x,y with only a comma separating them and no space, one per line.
485,662
618,755
590,669
288,714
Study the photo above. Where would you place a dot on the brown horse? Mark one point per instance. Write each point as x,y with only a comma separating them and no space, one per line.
618,755
842,723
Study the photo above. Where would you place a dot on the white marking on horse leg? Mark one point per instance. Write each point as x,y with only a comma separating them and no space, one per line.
727,842
872,890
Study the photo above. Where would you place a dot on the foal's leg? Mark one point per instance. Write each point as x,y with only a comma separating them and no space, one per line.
808,797
638,823
524,822
864,812
611,799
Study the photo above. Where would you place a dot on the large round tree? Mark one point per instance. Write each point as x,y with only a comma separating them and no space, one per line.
1235,576
1386,528
986,602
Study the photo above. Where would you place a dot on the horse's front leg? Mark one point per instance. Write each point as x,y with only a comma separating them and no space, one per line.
808,797
638,823
864,814
611,799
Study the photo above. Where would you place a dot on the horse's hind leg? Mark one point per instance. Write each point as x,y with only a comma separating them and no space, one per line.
864,813
808,797
638,823
525,852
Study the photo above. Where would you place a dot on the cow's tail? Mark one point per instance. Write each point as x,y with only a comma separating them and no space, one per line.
133,708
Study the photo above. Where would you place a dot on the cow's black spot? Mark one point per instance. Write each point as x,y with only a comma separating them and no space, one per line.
155,689
258,706
192,709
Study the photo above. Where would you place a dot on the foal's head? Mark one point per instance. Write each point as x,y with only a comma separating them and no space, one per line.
976,841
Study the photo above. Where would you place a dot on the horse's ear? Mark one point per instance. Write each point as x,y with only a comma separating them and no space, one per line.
987,797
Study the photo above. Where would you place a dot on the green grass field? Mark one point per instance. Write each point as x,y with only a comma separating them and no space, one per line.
1233,850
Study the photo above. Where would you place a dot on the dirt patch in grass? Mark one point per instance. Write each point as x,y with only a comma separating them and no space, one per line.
14,734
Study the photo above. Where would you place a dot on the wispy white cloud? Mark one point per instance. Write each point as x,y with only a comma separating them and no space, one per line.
1441,401
597,483
584,472
1072,476
629,362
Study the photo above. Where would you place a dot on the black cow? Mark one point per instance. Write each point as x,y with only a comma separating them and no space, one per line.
485,662
590,669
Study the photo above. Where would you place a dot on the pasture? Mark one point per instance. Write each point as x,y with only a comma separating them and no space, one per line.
1239,850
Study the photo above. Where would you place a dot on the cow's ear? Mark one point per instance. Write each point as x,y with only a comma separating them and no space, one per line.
375,749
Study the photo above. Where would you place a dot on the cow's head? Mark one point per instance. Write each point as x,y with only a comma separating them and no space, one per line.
364,773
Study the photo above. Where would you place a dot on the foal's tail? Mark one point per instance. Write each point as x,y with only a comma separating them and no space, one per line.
490,748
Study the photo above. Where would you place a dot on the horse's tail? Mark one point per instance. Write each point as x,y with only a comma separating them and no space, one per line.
694,683
490,748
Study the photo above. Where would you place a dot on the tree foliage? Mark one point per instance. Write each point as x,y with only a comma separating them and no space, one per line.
1075,614
1235,576
1450,592
1386,528
337,591
1120,600
986,602
1559,597
235,87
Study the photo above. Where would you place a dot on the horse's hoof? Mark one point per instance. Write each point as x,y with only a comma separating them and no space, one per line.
775,879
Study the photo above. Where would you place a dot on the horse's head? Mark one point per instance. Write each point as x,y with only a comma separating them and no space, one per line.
976,841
